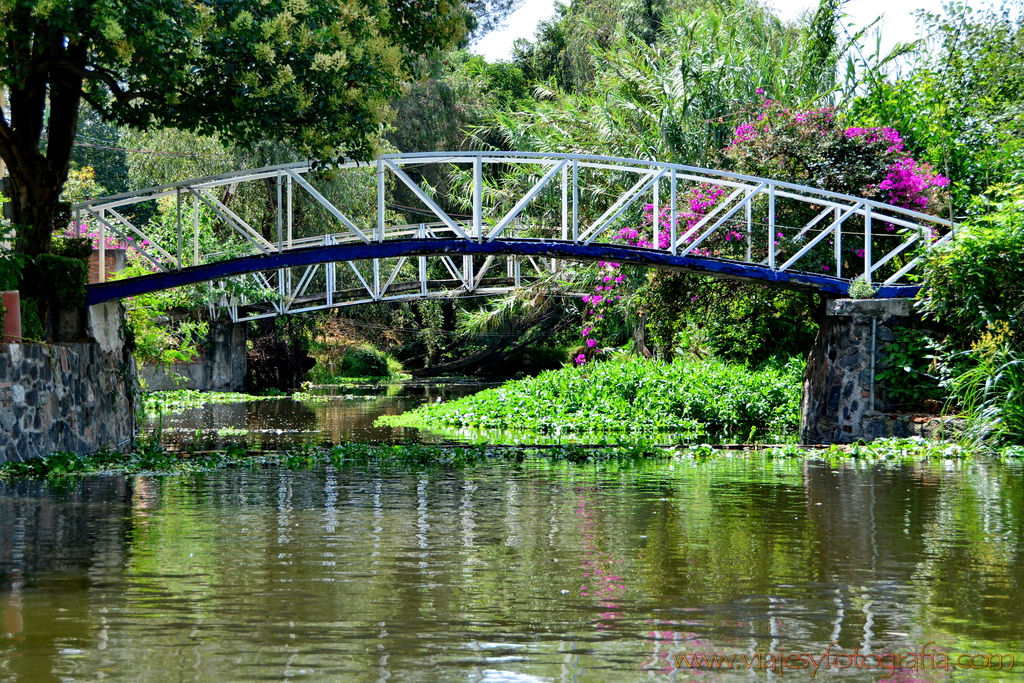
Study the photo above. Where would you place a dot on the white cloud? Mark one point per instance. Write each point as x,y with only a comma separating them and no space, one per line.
522,24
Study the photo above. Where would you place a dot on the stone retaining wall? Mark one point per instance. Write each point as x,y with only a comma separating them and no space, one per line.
878,425
221,366
79,396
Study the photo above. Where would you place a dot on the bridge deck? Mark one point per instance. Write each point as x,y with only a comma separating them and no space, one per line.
306,256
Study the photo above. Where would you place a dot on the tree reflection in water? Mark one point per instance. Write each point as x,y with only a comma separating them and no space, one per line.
538,571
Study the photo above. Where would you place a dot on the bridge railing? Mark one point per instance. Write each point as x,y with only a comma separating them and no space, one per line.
689,213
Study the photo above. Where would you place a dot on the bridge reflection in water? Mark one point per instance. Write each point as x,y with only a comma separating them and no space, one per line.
308,239
535,573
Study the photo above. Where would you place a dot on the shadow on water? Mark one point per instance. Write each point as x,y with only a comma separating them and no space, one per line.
536,572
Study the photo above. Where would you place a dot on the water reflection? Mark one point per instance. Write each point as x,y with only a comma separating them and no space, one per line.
533,573
333,415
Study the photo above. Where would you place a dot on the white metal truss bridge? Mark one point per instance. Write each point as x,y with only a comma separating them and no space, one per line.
305,238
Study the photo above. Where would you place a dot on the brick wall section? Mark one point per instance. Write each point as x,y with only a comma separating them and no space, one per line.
65,397
115,260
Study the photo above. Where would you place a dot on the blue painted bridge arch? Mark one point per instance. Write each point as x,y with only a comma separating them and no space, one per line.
565,250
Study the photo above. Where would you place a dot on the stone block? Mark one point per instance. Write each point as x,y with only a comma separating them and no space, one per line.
850,361
871,308
69,325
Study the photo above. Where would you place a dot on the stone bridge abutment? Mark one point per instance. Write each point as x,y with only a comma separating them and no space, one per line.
843,401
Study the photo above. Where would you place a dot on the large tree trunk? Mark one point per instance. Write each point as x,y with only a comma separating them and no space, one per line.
34,198
37,178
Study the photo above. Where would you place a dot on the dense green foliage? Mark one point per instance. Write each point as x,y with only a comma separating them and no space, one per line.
909,370
743,322
673,95
958,100
60,280
975,286
316,73
162,331
977,280
11,262
633,395
350,362
988,381
672,81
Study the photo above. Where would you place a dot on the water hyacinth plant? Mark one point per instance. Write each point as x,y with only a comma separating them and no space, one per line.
629,394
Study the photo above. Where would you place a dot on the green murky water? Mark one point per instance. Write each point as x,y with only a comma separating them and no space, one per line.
333,415
512,573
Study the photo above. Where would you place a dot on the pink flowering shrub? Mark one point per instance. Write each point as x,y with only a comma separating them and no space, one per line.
811,147
909,184
598,304
692,208
805,147
84,230
814,148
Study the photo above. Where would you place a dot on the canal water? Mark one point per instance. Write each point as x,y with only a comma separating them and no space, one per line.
330,414
519,573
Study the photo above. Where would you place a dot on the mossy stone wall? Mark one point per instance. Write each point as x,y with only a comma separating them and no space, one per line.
77,397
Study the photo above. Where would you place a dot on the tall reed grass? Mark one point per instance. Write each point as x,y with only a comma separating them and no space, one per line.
989,387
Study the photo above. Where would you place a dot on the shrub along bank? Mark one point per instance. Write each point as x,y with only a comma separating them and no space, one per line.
630,394
975,285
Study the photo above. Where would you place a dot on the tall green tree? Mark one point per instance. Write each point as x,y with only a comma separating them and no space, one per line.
960,102
676,97
317,73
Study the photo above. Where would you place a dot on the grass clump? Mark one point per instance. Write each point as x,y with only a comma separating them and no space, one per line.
631,395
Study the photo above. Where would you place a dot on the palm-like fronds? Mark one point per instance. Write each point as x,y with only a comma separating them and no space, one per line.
521,308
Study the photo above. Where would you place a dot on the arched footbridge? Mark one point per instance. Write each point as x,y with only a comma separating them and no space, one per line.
294,238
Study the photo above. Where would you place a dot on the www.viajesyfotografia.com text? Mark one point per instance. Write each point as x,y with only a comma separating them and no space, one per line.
779,661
